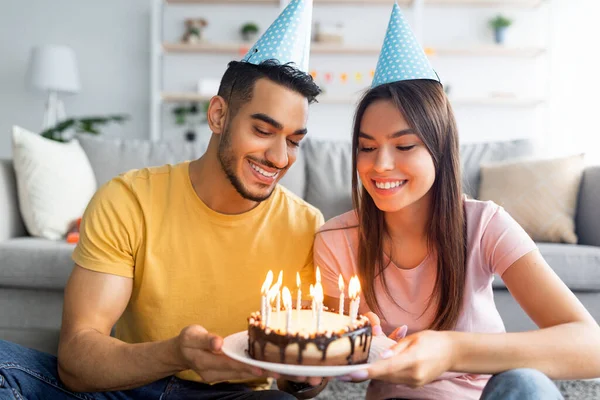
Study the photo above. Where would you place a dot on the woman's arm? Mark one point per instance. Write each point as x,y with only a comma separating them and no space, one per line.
567,345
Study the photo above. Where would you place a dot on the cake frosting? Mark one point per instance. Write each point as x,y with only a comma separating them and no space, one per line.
339,340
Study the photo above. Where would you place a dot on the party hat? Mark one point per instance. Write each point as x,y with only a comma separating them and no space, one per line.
401,57
288,38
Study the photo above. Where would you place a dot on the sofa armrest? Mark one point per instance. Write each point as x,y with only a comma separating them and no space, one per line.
588,210
11,223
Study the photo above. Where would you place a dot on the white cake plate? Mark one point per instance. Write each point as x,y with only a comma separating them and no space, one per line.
235,346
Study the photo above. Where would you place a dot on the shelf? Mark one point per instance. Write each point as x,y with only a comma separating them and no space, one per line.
175,97
486,3
475,3
318,48
228,48
486,51
276,2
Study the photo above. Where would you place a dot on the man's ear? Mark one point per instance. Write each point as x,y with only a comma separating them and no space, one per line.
217,114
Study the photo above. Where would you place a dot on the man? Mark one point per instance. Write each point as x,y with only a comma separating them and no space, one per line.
176,255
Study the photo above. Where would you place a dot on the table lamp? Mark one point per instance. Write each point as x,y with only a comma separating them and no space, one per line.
53,69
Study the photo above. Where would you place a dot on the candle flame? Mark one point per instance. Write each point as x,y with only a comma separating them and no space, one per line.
298,279
318,293
353,287
280,279
286,296
267,284
341,283
272,294
312,290
318,273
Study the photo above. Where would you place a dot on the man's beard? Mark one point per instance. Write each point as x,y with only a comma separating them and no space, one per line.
227,160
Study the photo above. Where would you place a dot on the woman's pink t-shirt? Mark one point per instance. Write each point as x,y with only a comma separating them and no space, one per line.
494,242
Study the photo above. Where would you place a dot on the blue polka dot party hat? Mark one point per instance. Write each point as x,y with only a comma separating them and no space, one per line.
288,38
401,57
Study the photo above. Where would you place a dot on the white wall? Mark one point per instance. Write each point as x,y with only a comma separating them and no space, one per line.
111,41
575,97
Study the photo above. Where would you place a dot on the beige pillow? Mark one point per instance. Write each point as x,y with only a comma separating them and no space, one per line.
541,195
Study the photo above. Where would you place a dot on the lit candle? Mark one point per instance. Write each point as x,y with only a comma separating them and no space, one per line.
353,288
312,295
287,303
357,295
270,296
264,290
319,303
318,274
341,286
279,283
299,298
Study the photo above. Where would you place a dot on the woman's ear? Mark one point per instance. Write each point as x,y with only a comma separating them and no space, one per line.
216,114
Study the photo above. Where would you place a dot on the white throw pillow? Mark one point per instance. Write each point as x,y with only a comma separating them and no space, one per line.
55,182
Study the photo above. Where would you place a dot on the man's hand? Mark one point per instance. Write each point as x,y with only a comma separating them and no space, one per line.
201,352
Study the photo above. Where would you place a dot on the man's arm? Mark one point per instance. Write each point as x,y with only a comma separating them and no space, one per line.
89,359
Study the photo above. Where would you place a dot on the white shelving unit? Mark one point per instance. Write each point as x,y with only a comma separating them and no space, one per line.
161,49
317,48
482,3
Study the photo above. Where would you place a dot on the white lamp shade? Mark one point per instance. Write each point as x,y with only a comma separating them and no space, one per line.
54,68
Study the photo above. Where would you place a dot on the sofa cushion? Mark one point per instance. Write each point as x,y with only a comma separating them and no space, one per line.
578,266
472,155
11,223
110,157
30,262
588,213
541,195
329,176
55,182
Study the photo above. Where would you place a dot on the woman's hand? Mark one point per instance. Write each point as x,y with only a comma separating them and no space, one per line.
397,334
414,361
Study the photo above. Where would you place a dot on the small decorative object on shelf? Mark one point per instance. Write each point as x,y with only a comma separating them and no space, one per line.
67,129
249,31
499,25
193,30
192,115
329,33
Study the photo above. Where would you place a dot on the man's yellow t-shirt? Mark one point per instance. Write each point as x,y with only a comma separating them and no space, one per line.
190,264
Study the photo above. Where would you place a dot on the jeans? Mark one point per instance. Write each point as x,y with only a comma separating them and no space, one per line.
520,384
27,374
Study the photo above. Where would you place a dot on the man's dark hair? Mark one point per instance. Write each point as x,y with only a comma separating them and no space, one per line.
237,84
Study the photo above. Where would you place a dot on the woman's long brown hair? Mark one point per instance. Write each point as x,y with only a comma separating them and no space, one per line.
426,109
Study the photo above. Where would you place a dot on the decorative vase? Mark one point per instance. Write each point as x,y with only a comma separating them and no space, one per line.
500,35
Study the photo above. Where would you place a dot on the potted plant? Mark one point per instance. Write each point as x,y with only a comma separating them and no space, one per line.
249,31
191,115
72,126
499,25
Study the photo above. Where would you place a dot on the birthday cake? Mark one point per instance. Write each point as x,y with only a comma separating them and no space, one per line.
338,341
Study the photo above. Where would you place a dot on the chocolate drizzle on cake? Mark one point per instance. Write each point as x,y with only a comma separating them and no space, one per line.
259,336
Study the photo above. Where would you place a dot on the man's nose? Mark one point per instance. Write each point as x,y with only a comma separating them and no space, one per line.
278,153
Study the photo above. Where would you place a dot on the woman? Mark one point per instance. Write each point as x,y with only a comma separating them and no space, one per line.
426,257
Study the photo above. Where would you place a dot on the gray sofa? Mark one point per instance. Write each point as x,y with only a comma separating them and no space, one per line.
33,271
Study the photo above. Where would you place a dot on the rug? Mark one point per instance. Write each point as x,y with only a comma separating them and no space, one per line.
571,390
